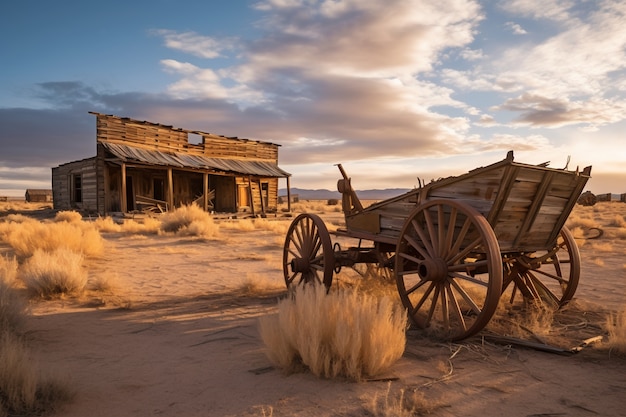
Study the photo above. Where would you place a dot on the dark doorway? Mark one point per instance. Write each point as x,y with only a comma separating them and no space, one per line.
159,189
130,194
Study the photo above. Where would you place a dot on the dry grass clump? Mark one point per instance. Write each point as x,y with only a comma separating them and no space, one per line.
57,272
12,307
69,216
616,327
24,390
343,333
107,225
257,284
189,220
26,236
402,404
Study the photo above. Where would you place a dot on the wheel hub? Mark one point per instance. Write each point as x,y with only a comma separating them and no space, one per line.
433,269
300,265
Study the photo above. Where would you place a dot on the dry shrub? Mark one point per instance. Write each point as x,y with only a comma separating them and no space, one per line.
12,306
617,221
616,327
602,247
189,220
148,225
26,236
244,225
343,333
68,216
57,272
257,284
107,225
23,390
402,404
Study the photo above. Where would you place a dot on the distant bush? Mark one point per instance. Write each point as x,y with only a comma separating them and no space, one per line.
332,202
57,272
343,333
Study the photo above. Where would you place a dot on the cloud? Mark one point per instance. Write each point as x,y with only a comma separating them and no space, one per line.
195,44
558,10
516,28
538,110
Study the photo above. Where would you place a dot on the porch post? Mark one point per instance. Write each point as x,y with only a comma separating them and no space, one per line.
123,202
205,192
170,190
288,195
261,197
250,194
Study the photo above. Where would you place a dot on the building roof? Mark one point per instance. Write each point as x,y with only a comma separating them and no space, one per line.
183,160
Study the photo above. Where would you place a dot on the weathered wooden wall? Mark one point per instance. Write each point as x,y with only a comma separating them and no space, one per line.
168,139
62,187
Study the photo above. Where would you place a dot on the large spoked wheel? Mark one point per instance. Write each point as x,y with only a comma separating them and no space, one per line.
448,269
550,277
308,253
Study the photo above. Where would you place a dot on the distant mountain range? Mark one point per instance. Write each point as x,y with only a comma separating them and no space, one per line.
323,194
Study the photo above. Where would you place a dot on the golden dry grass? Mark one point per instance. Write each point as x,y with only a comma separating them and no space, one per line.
51,273
616,328
343,333
24,391
189,220
403,403
26,236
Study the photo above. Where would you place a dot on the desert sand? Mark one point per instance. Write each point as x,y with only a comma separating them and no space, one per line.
178,336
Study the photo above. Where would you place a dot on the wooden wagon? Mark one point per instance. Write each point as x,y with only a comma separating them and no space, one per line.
455,246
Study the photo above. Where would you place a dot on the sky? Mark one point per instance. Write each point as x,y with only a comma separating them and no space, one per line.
394,90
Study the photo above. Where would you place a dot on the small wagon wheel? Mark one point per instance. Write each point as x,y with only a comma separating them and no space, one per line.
448,268
308,252
548,276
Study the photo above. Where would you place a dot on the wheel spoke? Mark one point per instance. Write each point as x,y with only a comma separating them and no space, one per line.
462,254
456,307
555,277
469,278
441,228
415,245
468,299
431,231
444,308
461,237
433,305
450,235
422,235
424,297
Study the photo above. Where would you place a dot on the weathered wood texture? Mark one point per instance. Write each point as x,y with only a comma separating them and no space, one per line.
63,196
526,205
168,139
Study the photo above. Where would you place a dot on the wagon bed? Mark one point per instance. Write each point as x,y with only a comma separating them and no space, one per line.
526,205
455,246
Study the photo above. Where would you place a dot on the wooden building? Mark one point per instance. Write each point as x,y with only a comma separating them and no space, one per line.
139,164
38,196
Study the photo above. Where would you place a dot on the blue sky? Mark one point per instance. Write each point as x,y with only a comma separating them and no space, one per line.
394,90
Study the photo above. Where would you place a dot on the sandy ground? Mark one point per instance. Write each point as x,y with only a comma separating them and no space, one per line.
179,337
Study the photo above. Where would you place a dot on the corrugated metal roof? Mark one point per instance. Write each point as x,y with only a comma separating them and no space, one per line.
183,160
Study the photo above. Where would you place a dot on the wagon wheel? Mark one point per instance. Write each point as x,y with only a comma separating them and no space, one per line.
550,277
448,268
308,252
